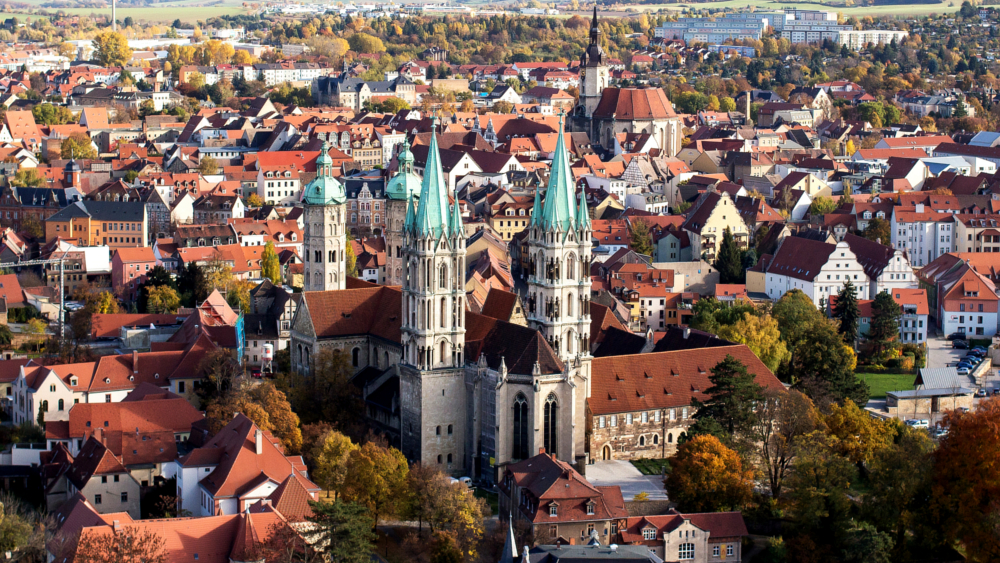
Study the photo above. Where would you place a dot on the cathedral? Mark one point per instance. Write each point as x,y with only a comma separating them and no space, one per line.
474,393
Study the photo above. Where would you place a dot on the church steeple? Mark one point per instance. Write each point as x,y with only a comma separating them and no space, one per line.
559,211
432,217
594,55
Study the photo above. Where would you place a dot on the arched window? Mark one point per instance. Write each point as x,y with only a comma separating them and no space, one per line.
569,305
550,427
642,440
444,311
62,404
356,357
443,352
520,442
670,438
387,359
570,268
443,277
656,439
44,406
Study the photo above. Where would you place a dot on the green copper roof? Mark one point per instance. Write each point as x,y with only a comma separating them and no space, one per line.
559,213
432,216
405,183
582,215
325,189
536,209
455,225
411,215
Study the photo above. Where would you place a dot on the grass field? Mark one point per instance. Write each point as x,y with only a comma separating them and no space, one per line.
879,383
650,466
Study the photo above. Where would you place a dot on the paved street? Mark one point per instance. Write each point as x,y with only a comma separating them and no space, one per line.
626,476
940,354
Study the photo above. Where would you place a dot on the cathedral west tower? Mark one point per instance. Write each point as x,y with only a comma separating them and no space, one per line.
325,241
594,71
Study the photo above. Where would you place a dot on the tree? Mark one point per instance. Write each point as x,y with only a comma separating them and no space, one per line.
822,205
865,544
712,315
822,367
254,200
330,457
376,478
732,396
68,50
365,43
761,334
270,267
158,276
50,114
111,49
818,484
781,418
78,146
859,436
327,394
796,314
242,58
899,476
345,529
28,178
127,545
845,310
849,148
503,107
640,238
162,299
965,483
446,505
707,476
208,166
107,304
192,285
884,332
729,262
445,549
727,104
350,258
879,231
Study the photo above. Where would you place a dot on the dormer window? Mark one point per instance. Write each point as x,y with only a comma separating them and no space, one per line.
553,509
590,508
649,533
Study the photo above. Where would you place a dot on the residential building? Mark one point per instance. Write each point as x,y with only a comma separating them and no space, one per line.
968,305
116,224
817,268
712,214
701,537
923,234
129,268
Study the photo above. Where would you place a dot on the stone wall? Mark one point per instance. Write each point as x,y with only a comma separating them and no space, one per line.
653,439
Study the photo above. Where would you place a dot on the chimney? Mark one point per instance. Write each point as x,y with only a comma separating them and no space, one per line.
259,439
541,451
117,525
135,361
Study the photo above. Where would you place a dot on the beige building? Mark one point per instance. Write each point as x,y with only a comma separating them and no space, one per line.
711,215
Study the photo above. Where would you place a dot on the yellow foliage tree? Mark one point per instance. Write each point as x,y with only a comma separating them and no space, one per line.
163,299
859,436
761,335
707,476
330,457
111,49
377,478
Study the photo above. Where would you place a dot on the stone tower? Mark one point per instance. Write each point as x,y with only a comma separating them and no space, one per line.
432,374
325,236
594,72
559,244
402,187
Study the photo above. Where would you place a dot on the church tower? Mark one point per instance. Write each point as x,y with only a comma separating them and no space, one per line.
559,245
432,374
325,236
594,73
402,187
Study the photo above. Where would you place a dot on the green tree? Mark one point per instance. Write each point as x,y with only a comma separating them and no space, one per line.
50,114
884,332
269,265
28,178
727,104
818,490
796,314
760,333
365,43
330,456
822,205
111,49
879,231
376,478
640,238
822,366
729,262
79,146
158,276
845,310
732,396
712,315
865,544
345,529
162,299
899,477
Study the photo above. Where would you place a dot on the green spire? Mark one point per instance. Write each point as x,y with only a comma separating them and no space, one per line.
432,219
536,211
325,189
582,215
457,229
410,215
560,205
405,182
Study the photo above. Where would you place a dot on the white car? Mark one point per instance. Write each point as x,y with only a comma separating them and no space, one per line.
918,423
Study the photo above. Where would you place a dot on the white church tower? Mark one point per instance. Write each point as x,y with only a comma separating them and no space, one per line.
432,375
559,245
594,71
325,236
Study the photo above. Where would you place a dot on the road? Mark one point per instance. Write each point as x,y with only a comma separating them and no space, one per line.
940,354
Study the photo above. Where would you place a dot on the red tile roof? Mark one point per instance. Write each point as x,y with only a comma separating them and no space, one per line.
547,480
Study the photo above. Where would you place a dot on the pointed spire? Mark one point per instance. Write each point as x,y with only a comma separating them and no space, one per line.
510,545
559,213
410,215
432,217
536,211
582,215
456,226
594,24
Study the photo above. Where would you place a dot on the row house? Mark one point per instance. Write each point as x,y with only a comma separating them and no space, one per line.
711,216
886,268
129,268
816,268
20,206
101,223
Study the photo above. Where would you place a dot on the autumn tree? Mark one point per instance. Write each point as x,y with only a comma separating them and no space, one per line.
822,205
859,436
254,200
262,403
269,265
28,178
640,238
732,396
707,476
884,332
822,366
163,299
208,166
879,231
446,505
345,529
128,545
365,43
846,312
780,419
327,394
157,276
79,146
818,486
761,334
376,478
729,262
330,456
111,49
965,483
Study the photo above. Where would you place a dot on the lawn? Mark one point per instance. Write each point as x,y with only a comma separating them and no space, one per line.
650,466
879,383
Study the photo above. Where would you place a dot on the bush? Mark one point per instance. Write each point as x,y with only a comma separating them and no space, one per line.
22,314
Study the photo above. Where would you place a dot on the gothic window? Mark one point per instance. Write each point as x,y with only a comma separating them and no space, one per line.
569,305
443,352
443,277
549,430
355,357
444,311
520,442
570,268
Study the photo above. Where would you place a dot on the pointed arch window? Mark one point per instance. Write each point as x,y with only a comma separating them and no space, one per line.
549,430
520,442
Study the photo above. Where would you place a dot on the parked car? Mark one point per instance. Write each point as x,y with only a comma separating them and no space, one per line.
918,423
982,393
956,336
939,432
996,391
977,352
467,481
964,371
960,344
963,409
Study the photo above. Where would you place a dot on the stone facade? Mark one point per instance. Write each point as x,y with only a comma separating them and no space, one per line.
649,434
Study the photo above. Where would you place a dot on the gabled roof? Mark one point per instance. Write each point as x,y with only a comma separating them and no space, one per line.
518,347
371,310
800,258
549,480
872,256
94,459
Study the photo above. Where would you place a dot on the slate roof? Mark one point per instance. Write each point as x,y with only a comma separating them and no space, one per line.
132,211
872,256
619,342
519,347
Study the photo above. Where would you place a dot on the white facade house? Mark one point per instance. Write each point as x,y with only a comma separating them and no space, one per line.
923,234
818,269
